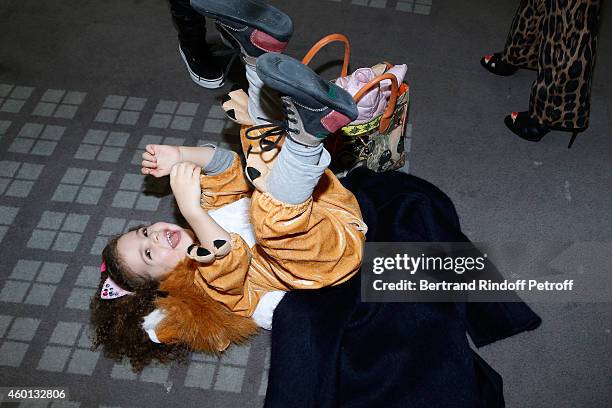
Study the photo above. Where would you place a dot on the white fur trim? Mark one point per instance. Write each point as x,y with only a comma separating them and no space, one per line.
265,308
235,217
150,323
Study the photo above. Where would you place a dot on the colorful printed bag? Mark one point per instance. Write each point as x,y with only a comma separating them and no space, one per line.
379,143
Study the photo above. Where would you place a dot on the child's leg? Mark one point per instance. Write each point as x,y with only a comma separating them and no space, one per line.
263,102
297,171
306,243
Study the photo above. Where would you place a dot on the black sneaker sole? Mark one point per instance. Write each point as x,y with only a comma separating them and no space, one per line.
251,13
208,83
292,78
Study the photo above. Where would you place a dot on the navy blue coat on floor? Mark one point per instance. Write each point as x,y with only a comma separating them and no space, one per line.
329,349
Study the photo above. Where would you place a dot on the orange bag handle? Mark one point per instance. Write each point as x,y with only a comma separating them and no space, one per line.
385,120
328,39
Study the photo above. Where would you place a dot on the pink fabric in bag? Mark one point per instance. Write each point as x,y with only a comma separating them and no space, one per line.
374,102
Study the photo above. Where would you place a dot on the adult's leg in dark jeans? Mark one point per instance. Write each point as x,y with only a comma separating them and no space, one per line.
194,50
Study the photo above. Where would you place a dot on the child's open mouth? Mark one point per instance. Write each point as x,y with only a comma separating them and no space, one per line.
173,238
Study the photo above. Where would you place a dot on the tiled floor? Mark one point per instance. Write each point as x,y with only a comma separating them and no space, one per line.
74,124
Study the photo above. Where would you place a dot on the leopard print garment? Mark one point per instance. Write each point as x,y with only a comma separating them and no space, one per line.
558,38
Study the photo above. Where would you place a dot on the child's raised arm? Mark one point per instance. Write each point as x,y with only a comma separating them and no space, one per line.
185,184
157,160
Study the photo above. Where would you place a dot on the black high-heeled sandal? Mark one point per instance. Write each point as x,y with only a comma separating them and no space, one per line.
495,65
528,128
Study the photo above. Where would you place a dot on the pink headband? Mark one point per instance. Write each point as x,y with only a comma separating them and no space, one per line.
110,290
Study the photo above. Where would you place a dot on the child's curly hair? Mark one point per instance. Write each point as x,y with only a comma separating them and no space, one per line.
118,322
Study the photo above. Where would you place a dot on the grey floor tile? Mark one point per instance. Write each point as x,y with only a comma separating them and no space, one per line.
123,372
12,353
8,168
187,108
44,109
21,145
378,3
98,245
112,226
181,123
86,152
229,379
12,106
422,9
147,203
41,239
54,358
155,374
5,89
65,193
85,338
128,118
66,333
114,101
263,386
75,97
66,111
19,188
79,299
89,195
200,375
43,148
67,242
166,106
4,125
135,104
53,132
53,95
74,175
29,171
75,222
13,291
83,362
236,355
51,272
149,139
51,220
132,182
22,92
31,130
174,141
159,120
4,183
5,322
124,199
107,115
109,154
117,139
40,295
97,178
88,277
23,329
25,269
95,136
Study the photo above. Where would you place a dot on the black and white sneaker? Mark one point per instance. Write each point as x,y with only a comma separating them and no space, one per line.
202,68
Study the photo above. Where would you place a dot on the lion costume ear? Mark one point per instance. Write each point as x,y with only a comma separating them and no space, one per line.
222,347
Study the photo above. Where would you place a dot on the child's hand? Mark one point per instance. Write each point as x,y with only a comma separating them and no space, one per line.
158,160
185,184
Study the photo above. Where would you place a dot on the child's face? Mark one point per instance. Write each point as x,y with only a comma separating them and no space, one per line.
154,251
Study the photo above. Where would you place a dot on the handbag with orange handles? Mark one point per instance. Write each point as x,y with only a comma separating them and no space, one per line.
379,143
